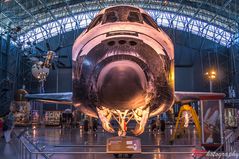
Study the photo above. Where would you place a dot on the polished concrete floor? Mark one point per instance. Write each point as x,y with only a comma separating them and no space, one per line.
7,151
55,139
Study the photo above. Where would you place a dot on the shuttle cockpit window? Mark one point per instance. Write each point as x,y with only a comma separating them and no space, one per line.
111,17
95,22
148,20
134,17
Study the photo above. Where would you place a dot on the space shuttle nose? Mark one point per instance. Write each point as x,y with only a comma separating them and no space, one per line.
121,85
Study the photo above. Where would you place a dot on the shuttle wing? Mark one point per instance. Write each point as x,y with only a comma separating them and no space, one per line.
185,97
59,98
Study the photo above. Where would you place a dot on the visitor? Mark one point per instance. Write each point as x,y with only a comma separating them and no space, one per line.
153,125
76,116
86,125
8,124
1,127
95,124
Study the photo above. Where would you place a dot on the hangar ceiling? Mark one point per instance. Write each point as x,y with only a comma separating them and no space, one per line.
37,20
33,21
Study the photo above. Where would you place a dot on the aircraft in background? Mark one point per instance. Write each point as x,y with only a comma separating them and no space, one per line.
123,69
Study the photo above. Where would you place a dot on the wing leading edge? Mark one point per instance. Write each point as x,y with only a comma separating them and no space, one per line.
184,97
59,98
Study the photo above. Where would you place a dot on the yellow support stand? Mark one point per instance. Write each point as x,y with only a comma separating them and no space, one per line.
181,121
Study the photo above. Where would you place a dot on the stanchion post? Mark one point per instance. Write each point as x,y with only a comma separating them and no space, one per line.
25,155
20,150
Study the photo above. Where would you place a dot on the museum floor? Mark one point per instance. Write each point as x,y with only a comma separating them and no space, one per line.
54,139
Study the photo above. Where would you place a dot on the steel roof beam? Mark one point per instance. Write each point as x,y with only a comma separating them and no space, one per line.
178,11
196,13
71,14
215,16
7,17
50,12
32,16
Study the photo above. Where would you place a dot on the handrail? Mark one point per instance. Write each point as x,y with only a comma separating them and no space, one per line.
24,139
95,152
227,138
34,145
104,152
161,146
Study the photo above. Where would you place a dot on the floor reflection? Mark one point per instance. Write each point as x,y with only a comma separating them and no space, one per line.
50,137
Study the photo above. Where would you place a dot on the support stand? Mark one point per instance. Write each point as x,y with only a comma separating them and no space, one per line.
41,90
183,122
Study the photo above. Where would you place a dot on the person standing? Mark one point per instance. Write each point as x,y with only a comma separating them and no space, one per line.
1,128
95,124
86,125
8,125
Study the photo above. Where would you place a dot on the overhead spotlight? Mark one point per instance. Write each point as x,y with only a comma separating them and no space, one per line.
19,44
29,43
165,2
34,43
16,29
25,53
211,76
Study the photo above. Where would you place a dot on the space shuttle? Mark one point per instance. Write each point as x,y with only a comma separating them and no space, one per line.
123,70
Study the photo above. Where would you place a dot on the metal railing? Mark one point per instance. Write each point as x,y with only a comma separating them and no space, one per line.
30,148
227,149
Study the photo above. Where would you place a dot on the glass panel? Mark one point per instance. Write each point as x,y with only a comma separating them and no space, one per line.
110,17
96,21
163,18
133,17
149,21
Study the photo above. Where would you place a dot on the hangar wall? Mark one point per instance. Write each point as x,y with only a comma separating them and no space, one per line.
193,56
9,64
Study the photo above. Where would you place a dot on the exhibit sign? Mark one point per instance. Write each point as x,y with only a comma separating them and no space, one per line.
230,115
35,116
22,115
212,121
123,145
52,118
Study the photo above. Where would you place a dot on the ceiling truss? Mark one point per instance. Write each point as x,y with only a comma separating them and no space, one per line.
216,20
